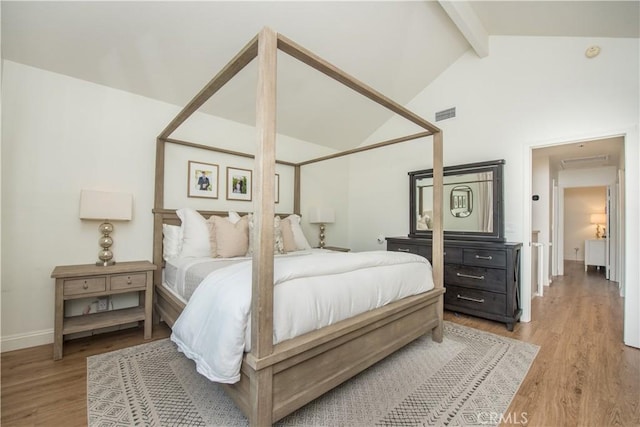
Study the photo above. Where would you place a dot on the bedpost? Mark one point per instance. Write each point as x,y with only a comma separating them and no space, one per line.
296,189
438,237
261,381
158,203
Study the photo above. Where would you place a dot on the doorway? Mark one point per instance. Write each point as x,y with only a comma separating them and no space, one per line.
568,168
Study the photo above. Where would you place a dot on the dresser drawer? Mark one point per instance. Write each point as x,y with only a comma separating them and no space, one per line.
452,255
485,258
407,247
488,279
129,281
470,299
84,286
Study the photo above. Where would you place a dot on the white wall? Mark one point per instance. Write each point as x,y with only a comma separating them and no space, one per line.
594,201
60,135
529,92
579,204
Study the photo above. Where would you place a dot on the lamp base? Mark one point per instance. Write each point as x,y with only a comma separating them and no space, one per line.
321,243
598,232
105,256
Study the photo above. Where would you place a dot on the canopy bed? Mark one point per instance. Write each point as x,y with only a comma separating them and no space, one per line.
278,378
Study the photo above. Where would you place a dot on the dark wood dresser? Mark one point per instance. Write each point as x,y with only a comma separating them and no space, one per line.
481,278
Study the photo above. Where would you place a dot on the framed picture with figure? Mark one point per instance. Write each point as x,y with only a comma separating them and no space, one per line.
202,180
238,184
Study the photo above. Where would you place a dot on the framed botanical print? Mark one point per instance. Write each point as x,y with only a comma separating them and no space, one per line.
238,184
202,180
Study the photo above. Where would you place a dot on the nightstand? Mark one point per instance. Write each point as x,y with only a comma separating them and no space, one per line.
86,281
594,253
336,249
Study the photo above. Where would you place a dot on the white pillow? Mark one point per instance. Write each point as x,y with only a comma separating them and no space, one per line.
234,217
298,234
195,234
171,241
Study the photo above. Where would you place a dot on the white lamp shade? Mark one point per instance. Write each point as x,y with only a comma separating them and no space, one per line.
105,205
598,218
322,216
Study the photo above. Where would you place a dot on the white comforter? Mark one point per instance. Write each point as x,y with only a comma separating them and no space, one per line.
310,292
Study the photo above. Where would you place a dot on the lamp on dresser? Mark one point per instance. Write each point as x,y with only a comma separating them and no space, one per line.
322,216
598,219
105,206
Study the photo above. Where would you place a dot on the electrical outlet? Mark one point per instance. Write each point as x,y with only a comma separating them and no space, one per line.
103,303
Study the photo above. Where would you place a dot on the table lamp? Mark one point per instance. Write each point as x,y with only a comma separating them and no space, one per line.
105,206
322,216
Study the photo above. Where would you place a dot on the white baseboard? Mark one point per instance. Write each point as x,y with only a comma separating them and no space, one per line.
34,339
31,339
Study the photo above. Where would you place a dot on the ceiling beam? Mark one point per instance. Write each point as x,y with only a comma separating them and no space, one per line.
462,14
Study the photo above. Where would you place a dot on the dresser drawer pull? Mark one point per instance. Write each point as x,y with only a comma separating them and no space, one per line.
85,285
404,250
481,301
129,280
484,257
470,276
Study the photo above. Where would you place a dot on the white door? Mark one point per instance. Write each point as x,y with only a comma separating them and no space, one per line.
612,233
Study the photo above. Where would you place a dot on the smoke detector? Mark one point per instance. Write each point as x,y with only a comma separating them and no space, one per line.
592,51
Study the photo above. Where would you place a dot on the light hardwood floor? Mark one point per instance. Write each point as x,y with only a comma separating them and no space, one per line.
583,375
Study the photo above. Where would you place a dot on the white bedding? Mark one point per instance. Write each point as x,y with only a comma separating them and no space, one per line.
310,292
183,275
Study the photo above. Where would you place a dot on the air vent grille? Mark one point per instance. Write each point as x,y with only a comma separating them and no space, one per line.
599,159
449,113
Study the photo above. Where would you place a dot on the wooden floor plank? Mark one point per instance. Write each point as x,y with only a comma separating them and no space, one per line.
583,375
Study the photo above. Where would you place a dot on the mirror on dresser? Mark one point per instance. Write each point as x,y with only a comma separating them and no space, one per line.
473,202
481,269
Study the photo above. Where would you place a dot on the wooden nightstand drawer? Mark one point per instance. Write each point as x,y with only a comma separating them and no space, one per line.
128,281
85,286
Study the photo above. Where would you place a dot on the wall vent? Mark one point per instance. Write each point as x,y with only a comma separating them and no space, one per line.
449,113
587,161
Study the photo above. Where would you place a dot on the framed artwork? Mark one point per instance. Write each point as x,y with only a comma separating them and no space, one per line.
202,180
277,193
238,184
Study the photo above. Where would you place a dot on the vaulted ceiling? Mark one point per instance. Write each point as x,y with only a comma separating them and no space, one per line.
169,50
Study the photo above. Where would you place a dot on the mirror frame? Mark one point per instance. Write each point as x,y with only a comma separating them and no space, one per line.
497,235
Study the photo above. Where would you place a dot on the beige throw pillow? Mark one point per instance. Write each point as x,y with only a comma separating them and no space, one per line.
212,235
288,240
228,240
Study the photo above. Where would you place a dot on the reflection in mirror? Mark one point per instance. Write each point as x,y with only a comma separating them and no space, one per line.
461,189
461,201
472,206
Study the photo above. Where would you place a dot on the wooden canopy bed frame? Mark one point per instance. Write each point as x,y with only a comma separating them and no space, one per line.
278,379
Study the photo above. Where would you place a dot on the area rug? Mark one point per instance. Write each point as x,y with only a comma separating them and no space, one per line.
468,379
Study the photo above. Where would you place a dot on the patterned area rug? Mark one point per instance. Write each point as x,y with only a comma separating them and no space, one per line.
468,379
